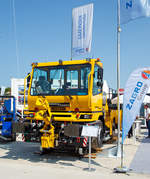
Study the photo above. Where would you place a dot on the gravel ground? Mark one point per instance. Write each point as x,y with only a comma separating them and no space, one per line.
19,160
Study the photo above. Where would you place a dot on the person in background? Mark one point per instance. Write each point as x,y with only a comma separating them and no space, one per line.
130,133
147,119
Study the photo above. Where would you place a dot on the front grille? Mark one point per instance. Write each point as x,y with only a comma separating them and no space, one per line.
57,115
57,108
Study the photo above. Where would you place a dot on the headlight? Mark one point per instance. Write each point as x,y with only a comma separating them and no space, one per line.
86,116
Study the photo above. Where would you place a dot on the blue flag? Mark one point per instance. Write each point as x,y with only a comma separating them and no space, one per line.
132,9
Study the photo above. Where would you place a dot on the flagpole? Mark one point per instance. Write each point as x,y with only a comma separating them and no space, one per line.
120,144
15,36
118,74
120,169
71,37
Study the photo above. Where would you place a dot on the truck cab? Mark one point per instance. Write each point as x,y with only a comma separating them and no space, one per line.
69,87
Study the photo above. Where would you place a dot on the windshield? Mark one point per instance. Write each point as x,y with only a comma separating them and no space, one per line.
61,80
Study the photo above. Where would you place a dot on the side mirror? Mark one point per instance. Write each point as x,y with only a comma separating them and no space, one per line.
28,80
100,84
100,73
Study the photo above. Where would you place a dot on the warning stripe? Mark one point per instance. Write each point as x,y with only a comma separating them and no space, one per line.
85,141
23,138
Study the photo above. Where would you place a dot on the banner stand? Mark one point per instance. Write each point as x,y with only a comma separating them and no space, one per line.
114,152
89,168
121,169
134,133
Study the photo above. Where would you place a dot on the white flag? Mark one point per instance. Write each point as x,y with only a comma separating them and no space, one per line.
3,90
132,9
82,20
134,93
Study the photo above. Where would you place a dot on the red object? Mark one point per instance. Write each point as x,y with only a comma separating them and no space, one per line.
145,106
78,139
77,115
23,138
76,110
146,74
34,114
36,109
121,90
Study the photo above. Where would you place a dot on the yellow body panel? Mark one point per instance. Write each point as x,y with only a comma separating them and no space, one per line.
111,118
86,103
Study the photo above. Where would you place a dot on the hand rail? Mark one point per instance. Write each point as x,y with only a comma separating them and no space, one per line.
25,88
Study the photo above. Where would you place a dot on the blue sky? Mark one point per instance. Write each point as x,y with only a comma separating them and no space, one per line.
44,34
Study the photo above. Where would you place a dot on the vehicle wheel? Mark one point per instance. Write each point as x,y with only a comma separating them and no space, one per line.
97,142
113,129
44,151
13,137
100,137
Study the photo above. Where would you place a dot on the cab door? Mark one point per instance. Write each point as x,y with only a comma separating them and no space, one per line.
97,94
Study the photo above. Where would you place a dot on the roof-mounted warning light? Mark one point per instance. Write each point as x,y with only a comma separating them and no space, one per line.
60,62
98,60
88,59
34,64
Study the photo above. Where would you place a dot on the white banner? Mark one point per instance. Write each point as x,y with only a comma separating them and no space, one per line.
135,91
82,20
17,90
90,131
132,9
3,90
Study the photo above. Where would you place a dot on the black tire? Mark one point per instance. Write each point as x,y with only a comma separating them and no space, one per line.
113,129
44,151
13,138
100,137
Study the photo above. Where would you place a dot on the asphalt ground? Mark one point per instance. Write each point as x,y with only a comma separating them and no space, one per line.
141,160
22,160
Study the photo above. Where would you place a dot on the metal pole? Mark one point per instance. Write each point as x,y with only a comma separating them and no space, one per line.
14,108
118,74
71,37
90,153
120,145
121,155
15,35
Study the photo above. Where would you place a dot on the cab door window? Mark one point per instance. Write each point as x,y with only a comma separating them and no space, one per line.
97,80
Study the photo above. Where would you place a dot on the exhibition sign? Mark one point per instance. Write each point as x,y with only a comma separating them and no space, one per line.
135,90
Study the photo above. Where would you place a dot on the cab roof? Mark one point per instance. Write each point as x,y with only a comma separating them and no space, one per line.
71,62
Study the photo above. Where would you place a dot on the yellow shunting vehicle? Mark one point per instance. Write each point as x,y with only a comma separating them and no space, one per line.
64,96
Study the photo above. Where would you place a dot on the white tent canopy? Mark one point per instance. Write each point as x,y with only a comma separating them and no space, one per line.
105,87
146,99
114,100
